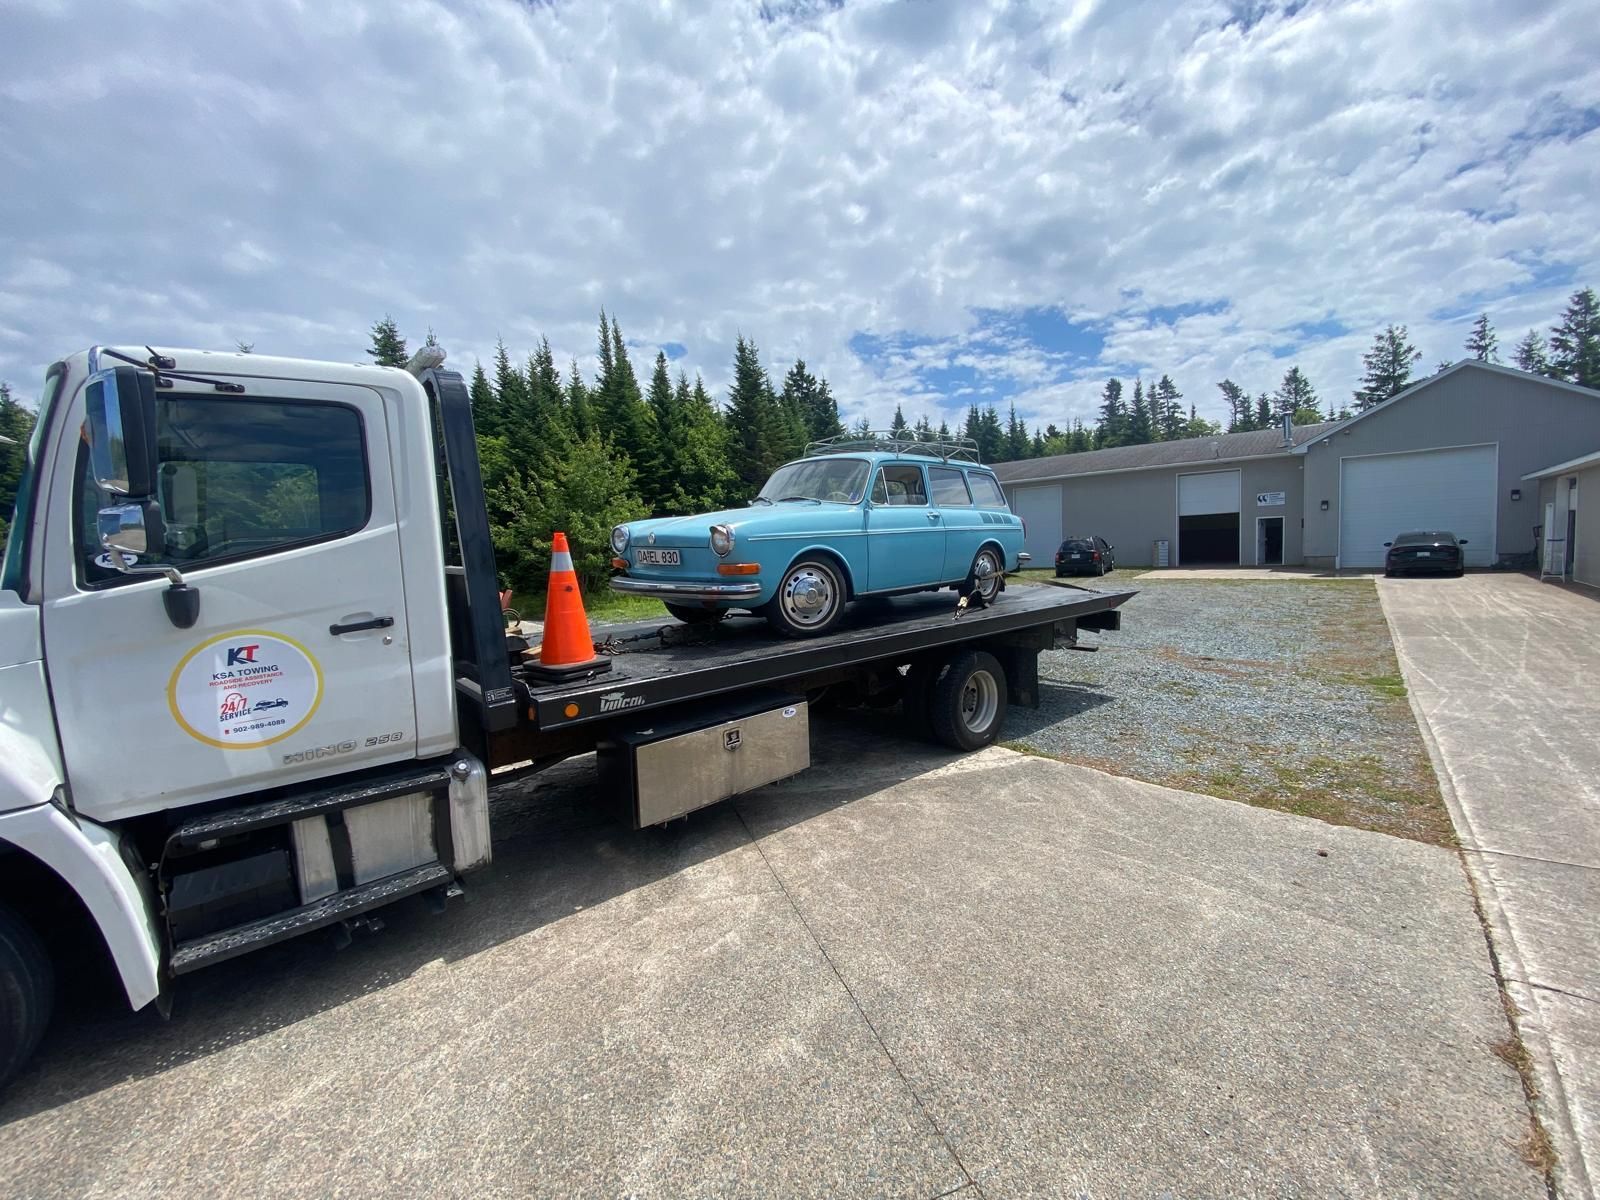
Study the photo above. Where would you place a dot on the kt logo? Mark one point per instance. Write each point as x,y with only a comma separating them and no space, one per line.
242,654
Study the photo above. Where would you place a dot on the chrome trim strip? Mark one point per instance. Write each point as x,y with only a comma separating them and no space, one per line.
685,590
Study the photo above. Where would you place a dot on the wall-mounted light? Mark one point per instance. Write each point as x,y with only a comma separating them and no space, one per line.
1516,493
1324,506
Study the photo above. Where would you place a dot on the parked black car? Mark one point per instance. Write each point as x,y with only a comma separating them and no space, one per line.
1085,556
1434,551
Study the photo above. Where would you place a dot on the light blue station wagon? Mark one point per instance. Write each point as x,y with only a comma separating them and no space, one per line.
855,517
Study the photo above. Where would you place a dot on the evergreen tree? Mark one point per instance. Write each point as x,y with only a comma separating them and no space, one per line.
545,398
1140,428
944,431
1079,439
1387,367
1530,354
1297,398
1197,426
658,481
1017,443
1112,428
16,423
759,438
1240,418
862,428
1575,342
618,405
579,411
1166,411
1263,417
922,431
1038,447
694,445
485,405
511,395
811,397
991,435
898,426
1481,342
388,348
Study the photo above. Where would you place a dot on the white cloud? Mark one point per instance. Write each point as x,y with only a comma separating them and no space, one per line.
286,173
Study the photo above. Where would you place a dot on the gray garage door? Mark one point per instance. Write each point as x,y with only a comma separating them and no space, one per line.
1384,494
1040,508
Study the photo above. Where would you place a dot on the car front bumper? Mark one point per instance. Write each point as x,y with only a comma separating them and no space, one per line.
688,589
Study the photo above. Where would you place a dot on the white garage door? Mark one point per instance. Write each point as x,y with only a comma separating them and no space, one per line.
1040,507
1386,494
1211,492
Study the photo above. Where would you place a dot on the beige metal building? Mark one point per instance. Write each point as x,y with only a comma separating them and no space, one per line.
1449,452
1569,508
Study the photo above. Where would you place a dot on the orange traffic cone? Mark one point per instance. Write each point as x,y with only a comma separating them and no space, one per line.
567,648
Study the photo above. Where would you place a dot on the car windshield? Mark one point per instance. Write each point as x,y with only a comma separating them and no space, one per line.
839,480
1423,538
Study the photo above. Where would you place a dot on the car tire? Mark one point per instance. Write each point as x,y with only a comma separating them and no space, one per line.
1458,572
987,574
27,993
691,614
809,601
967,708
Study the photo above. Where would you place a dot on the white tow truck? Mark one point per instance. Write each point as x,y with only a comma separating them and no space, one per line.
255,681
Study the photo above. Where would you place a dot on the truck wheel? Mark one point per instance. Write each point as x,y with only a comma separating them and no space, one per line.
810,599
689,614
27,992
968,706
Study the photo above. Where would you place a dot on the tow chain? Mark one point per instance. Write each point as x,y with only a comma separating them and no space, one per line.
665,635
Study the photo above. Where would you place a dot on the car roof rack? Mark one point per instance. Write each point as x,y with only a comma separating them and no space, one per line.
888,442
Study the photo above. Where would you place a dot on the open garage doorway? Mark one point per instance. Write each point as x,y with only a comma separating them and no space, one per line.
1209,540
1269,541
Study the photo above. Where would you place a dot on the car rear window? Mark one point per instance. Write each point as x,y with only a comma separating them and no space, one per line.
1423,538
986,490
1078,544
949,488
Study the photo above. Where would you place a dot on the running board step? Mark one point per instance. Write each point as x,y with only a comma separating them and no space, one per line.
215,947
311,804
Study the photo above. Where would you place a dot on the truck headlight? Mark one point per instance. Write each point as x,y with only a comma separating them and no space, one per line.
619,539
722,540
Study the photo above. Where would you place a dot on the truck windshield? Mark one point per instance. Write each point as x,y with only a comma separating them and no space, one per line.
11,565
836,480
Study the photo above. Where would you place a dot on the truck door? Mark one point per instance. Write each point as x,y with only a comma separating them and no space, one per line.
279,507
906,546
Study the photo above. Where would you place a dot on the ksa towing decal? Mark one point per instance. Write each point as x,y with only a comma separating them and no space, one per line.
244,689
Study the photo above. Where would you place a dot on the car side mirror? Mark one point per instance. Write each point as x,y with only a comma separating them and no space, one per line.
121,408
1461,541
1387,544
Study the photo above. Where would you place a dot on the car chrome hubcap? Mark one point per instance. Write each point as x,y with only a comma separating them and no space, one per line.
986,574
808,596
980,698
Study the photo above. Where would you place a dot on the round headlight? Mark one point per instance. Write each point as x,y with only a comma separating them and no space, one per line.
722,540
619,539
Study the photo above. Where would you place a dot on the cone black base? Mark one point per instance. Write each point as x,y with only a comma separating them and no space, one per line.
538,670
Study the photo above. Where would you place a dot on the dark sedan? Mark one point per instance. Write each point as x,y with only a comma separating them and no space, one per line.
1085,556
1433,551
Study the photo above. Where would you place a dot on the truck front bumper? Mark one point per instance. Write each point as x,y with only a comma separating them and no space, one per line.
687,590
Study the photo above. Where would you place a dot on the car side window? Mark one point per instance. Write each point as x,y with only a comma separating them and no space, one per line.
949,488
238,478
985,490
899,484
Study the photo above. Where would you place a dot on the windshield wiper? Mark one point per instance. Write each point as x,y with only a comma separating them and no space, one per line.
762,500
161,366
807,499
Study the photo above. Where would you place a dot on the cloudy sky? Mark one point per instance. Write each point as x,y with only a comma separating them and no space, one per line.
931,201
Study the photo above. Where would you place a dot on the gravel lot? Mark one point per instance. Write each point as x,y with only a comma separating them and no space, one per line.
1280,694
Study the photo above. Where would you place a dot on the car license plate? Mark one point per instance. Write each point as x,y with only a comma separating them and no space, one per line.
1424,553
655,558
1077,556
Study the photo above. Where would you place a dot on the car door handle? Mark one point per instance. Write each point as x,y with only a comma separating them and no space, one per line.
933,516
358,626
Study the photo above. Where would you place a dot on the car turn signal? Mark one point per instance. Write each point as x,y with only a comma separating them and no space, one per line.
620,564
738,568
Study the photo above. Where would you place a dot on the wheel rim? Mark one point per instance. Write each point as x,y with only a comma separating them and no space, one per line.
980,700
986,574
809,596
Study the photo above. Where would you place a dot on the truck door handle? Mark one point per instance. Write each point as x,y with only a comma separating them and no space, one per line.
358,626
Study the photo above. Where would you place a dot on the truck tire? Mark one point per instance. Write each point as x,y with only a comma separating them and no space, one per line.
968,705
27,993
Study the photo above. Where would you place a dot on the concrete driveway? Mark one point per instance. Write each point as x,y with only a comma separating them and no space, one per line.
1505,675
905,974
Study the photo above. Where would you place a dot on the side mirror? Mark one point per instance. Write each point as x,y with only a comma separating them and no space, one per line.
121,409
122,530
1461,541
1388,544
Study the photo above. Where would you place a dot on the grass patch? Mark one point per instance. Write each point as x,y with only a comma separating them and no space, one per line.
1387,685
601,605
